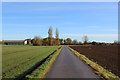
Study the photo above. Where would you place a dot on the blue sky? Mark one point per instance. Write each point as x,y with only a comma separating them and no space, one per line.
97,20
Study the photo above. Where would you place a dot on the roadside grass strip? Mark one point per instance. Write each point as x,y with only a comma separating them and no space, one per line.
99,70
41,71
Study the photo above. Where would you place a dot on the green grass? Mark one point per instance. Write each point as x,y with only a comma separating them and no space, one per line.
18,59
103,73
44,68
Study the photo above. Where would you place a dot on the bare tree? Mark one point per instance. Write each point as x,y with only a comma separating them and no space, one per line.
38,40
85,39
75,42
57,33
115,42
50,35
50,32
57,37
37,37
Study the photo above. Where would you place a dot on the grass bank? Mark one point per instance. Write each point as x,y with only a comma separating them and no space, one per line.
41,71
103,73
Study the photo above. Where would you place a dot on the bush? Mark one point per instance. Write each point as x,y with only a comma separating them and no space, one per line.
38,42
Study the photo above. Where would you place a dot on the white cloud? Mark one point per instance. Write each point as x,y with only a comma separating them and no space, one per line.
113,29
91,35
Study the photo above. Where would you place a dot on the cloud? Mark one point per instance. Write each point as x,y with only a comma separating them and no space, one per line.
113,29
91,35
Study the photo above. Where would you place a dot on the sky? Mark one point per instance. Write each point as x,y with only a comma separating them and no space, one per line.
97,20
60,0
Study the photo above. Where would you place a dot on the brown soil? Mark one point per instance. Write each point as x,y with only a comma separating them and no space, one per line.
106,56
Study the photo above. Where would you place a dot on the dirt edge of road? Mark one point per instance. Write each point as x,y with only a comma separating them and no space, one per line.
99,70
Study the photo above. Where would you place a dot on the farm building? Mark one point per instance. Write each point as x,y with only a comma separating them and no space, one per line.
16,42
27,41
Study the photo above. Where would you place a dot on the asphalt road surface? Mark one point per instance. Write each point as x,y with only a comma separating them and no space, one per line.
67,65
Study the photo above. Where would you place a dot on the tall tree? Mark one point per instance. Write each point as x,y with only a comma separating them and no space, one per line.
57,33
50,32
50,35
85,39
57,37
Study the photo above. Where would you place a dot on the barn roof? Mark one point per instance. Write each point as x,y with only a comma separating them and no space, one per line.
14,40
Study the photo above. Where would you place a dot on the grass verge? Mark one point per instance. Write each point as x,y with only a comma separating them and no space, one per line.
44,68
103,73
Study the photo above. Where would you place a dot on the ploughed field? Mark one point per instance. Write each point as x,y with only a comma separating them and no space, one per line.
106,56
17,60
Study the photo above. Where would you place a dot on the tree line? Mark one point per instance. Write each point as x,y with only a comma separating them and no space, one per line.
52,41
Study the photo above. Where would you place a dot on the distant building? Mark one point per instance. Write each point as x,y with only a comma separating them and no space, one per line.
17,42
27,41
14,42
